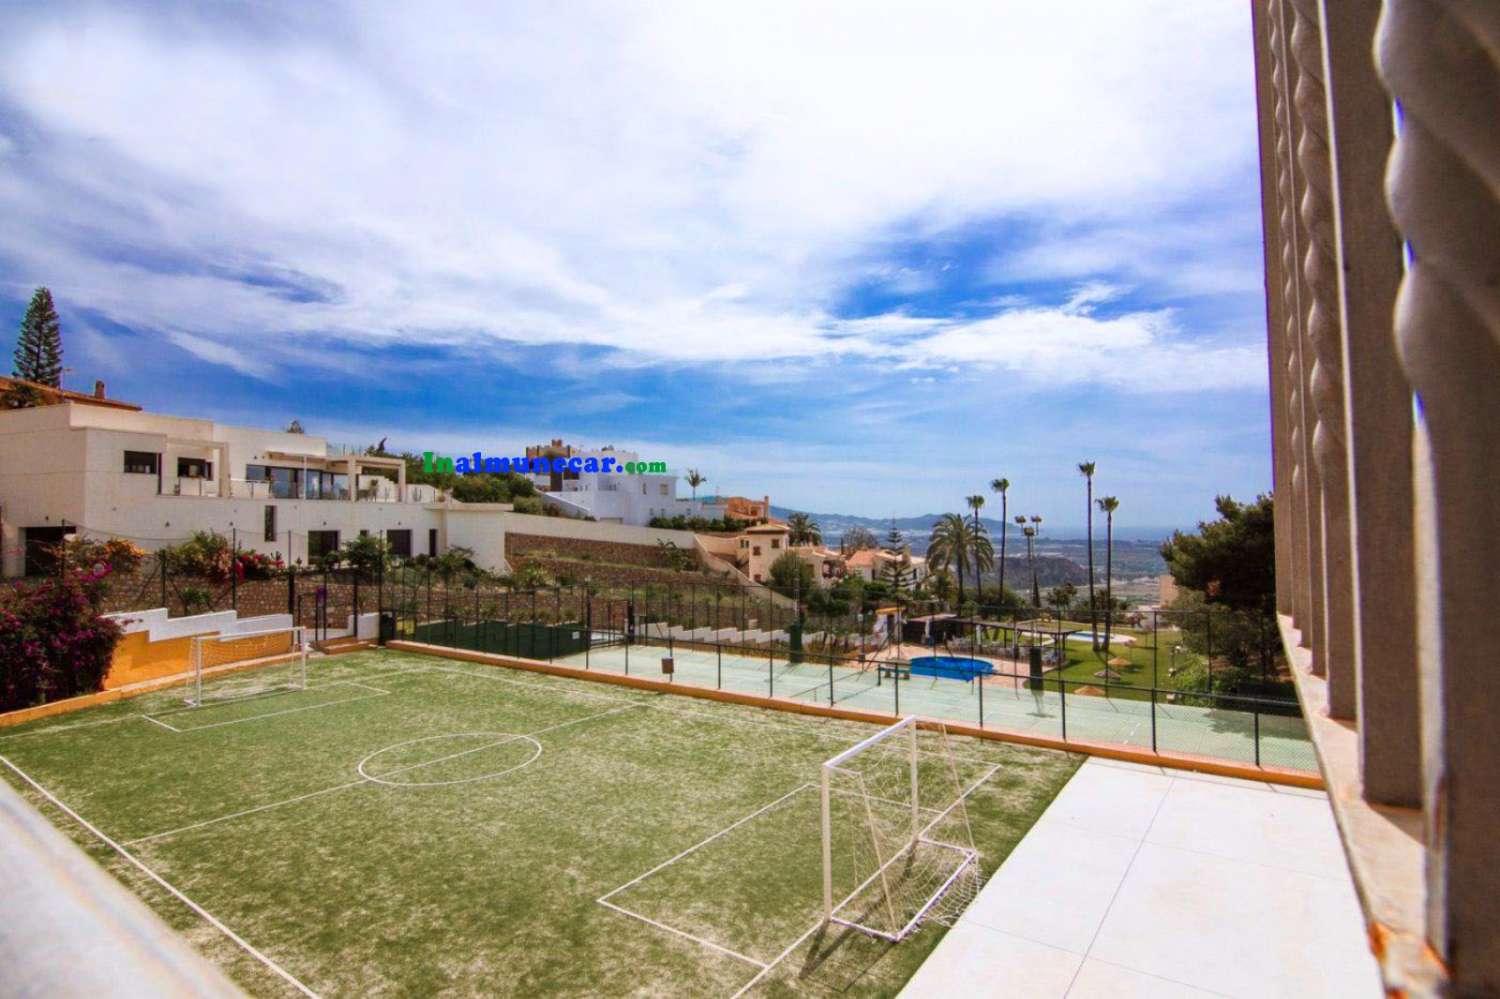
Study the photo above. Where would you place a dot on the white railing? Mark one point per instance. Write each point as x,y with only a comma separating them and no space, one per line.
184,485
55,893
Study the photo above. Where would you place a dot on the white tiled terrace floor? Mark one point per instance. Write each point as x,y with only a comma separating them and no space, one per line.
1139,881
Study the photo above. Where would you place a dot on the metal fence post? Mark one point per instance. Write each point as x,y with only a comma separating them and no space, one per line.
234,569
979,680
1153,718
1062,694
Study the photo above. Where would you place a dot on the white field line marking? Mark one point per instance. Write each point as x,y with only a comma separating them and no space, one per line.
451,756
529,737
131,858
322,791
604,899
265,696
535,685
686,936
158,721
377,676
767,968
285,711
236,815
845,738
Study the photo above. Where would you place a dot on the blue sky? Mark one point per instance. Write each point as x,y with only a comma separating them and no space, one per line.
862,257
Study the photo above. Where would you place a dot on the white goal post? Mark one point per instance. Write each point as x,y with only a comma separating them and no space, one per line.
286,668
896,836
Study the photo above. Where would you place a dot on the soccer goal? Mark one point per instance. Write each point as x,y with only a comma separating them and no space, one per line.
896,836
286,647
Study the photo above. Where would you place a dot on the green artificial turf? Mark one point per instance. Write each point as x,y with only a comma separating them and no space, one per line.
410,825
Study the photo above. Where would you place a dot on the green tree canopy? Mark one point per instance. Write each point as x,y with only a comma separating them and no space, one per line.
791,576
38,356
1232,560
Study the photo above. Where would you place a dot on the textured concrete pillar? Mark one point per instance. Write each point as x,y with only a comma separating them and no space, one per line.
1323,334
1287,525
1439,61
1304,593
1378,401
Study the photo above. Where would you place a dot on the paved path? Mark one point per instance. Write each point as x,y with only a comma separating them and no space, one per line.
1138,881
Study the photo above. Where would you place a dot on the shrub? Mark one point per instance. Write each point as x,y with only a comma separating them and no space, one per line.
117,554
53,641
206,553
196,600
257,565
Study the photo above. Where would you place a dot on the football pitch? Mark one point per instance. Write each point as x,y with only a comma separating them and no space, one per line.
413,825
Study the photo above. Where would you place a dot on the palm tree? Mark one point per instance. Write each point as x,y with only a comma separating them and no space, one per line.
1109,505
1087,469
1001,486
975,502
805,530
948,547
695,479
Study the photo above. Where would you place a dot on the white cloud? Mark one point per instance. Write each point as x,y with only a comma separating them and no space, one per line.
689,182
218,353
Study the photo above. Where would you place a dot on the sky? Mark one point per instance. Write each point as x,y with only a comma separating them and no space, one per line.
863,257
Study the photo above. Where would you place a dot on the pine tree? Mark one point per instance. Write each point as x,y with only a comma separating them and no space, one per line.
895,541
38,355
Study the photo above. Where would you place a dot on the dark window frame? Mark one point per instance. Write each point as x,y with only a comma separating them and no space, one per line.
141,466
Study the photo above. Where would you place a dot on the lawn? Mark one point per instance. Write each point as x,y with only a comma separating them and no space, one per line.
410,825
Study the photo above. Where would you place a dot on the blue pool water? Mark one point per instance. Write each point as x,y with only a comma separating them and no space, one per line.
953,667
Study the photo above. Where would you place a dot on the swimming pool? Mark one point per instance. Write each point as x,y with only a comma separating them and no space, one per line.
953,667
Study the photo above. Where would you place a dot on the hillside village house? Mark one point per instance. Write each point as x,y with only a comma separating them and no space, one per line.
617,497
763,544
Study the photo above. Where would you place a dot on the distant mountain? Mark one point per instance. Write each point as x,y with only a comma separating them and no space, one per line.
1136,549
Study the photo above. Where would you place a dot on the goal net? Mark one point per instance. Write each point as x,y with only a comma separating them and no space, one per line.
897,847
285,669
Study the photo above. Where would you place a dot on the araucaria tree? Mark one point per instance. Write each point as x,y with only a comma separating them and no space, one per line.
1109,505
1087,468
38,356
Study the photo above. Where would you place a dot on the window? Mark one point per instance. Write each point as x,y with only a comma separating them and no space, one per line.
432,541
400,542
755,550
321,543
194,468
141,462
270,522
664,487
744,542
327,485
775,543
286,483
757,577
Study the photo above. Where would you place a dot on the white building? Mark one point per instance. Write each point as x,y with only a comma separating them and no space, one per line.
91,466
619,492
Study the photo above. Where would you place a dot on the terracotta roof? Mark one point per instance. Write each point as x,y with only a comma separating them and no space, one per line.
768,529
58,395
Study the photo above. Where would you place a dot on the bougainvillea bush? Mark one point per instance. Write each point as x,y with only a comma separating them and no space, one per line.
210,554
54,643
